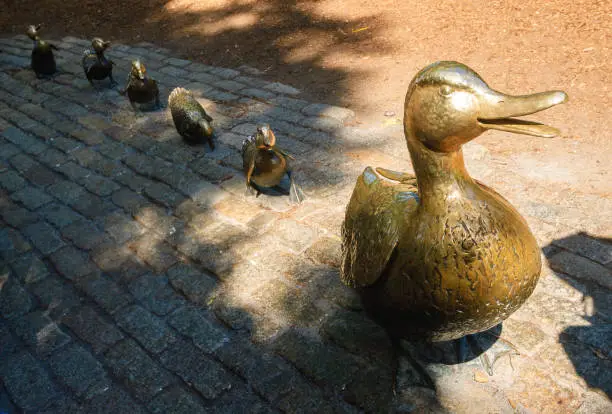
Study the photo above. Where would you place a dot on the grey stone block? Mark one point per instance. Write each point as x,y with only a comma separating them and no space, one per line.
199,325
326,365
128,200
192,283
178,401
41,333
105,292
29,269
164,195
15,301
66,191
335,112
11,181
149,330
44,237
31,197
156,294
19,217
112,401
92,328
29,385
72,263
55,294
581,268
84,234
204,374
59,215
142,376
79,370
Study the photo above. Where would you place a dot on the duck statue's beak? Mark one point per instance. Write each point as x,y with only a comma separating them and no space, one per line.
497,110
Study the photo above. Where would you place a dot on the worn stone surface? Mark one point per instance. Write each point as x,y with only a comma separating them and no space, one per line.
141,277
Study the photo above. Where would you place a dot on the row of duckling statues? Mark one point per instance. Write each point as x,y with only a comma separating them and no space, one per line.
437,255
265,164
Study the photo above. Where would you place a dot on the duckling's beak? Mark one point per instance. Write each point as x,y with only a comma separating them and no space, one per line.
106,44
271,138
497,110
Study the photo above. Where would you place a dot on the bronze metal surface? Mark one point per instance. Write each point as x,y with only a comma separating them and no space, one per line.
441,255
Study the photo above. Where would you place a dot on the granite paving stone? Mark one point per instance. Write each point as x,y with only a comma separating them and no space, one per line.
12,244
141,374
29,268
113,400
15,301
149,330
27,382
76,368
41,333
31,197
137,274
176,400
91,327
207,376
104,291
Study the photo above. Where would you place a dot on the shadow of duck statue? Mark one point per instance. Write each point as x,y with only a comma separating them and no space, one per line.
441,256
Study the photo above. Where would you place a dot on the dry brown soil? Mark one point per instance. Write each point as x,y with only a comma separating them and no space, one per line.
363,53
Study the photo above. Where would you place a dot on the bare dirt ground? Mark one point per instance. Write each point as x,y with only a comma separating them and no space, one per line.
363,53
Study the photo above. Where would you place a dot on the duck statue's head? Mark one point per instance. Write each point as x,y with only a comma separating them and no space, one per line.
449,104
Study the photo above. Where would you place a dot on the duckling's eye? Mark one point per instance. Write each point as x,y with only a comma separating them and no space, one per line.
445,90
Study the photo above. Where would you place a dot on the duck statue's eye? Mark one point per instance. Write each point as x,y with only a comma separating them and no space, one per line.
445,90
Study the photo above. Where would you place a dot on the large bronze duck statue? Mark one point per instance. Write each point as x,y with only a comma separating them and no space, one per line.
140,88
440,256
95,64
190,118
43,61
265,164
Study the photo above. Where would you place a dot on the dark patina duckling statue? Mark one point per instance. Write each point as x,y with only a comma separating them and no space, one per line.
43,61
191,120
440,256
140,88
265,164
95,64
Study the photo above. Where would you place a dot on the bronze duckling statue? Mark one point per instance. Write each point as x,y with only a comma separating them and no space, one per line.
265,164
140,88
43,61
191,120
440,256
95,64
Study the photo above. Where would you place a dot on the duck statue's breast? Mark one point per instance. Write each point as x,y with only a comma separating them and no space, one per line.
460,267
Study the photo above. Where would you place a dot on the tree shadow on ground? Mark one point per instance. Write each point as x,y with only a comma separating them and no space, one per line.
589,347
288,40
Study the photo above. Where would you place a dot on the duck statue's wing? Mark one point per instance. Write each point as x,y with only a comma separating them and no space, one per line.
370,231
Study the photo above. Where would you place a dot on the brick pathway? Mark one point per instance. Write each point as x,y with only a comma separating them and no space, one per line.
139,277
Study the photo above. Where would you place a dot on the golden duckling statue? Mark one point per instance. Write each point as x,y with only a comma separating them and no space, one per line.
140,89
440,256
43,61
265,164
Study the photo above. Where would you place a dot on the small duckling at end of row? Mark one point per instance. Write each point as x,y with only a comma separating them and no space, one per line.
265,164
43,61
95,64
140,88
191,120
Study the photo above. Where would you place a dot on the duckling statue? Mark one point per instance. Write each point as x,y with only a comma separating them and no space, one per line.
265,164
95,64
440,256
140,88
43,61
191,120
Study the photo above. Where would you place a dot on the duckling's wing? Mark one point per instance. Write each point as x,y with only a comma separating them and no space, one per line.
370,231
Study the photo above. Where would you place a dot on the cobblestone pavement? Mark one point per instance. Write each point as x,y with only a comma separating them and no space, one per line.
139,277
